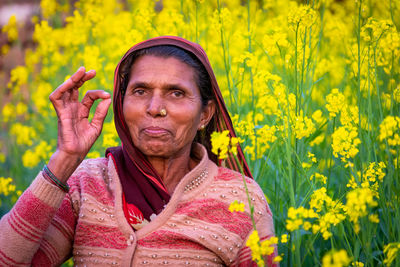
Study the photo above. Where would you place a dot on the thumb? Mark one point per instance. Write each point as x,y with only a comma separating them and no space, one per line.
100,114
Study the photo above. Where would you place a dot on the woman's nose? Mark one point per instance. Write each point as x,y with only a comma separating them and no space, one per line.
155,105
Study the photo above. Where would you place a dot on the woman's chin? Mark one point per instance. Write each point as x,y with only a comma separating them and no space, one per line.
156,149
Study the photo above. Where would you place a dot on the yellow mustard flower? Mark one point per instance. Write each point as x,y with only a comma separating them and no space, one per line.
335,102
236,206
336,259
222,144
345,143
391,252
11,28
358,201
48,7
6,186
284,238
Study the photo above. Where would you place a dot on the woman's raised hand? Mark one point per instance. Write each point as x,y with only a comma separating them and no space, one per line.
76,134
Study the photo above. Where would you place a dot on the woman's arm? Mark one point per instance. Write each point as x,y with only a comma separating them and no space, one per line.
37,231
39,228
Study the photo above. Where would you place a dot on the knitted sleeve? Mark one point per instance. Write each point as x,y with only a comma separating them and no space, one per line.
39,228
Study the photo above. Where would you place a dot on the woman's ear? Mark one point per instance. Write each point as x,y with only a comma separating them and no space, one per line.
206,114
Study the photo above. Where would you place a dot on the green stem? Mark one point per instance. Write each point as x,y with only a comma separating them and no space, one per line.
224,52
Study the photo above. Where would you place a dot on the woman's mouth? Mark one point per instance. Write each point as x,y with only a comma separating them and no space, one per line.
155,131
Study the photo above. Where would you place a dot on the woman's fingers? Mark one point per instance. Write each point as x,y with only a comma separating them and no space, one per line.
74,96
100,114
102,108
92,96
69,89
75,90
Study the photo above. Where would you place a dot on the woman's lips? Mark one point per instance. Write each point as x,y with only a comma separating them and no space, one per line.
155,131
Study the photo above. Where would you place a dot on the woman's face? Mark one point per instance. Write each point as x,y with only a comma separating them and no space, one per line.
157,83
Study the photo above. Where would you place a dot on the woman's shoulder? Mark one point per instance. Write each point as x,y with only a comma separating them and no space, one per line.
230,176
94,168
236,184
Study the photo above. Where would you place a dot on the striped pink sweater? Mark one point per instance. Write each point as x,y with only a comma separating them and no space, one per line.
47,226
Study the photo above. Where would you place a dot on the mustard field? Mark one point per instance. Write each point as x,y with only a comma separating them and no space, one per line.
313,89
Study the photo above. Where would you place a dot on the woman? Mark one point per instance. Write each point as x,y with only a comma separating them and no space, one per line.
158,199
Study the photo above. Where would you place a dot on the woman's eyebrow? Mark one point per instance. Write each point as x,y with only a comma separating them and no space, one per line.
175,86
139,84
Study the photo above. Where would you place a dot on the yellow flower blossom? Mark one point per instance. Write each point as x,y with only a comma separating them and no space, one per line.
48,7
373,218
391,251
284,238
302,16
253,242
19,76
6,186
358,200
303,127
11,28
389,130
278,258
336,259
345,142
221,19
25,135
335,102
319,177
236,206
396,94
373,30
317,116
41,152
222,144
317,140
8,112
93,155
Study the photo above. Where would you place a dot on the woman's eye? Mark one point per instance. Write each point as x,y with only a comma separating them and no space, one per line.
138,92
177,93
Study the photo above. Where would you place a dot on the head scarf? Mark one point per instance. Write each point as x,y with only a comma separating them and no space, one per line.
141,184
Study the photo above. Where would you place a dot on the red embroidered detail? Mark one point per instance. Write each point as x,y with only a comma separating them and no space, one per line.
225,174
99,236
169,240
41,259
96,189
215,211
5,259
29,204
132,214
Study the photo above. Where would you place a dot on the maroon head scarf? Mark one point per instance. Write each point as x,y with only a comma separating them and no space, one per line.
141,185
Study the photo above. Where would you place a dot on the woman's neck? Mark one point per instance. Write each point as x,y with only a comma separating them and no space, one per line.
173,169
